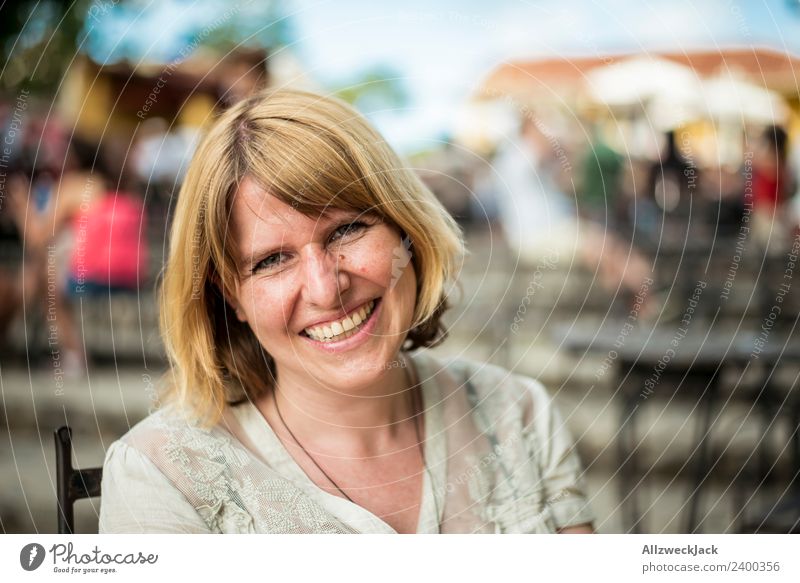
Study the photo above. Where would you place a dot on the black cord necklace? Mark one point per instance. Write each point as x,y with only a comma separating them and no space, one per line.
417,408
305,451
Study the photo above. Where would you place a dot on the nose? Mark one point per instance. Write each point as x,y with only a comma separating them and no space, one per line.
325,277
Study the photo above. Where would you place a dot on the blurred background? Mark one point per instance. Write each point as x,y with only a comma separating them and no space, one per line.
626,175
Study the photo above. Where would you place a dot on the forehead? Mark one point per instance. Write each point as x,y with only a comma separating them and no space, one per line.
258,216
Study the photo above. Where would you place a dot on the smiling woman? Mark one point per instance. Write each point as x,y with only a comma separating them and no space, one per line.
308,272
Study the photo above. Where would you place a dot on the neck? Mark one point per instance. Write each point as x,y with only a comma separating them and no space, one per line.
327,419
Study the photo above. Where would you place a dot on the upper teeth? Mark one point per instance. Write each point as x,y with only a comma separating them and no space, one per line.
342,328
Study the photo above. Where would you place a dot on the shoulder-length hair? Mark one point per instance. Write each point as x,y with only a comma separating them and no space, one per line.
314,153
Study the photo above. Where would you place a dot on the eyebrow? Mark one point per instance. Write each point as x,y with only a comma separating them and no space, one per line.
328,225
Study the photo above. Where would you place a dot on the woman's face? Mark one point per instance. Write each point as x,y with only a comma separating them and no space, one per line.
329,297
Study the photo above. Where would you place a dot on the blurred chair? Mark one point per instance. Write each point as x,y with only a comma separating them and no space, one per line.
771,514
72,484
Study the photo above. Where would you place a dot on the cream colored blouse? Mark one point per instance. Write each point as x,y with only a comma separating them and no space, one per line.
499,459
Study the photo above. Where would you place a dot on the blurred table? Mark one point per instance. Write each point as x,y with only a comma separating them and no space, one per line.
652,360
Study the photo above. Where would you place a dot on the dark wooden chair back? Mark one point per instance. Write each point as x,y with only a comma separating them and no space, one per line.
72,484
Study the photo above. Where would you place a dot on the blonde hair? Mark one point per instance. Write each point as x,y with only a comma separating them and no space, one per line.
311,152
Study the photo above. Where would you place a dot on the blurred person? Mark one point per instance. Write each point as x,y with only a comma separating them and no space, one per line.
793,161
45,207
10,301
10,289
722,198
88,239
11,274
448,173
110,253
307,266
541,222
672,178
772,183
600,178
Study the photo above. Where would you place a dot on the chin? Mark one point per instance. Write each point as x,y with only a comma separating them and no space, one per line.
354,373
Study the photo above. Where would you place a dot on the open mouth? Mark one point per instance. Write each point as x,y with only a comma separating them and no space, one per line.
344,328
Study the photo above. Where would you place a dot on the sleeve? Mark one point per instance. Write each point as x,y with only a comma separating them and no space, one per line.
137,498
552,448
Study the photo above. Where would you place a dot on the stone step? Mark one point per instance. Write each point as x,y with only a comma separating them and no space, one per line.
99,408
124,326
107,400
663,503
28,481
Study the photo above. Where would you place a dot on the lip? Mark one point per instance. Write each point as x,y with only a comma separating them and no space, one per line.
356,339
346,312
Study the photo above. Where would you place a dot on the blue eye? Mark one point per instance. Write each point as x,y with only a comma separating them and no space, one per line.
272,262
269,262
348,229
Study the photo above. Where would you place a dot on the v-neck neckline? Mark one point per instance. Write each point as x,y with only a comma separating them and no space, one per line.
264,438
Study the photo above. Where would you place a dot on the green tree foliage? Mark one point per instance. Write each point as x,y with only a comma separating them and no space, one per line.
38,40
378,87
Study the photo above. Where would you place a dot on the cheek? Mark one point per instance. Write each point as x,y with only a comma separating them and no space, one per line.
266,313
372,262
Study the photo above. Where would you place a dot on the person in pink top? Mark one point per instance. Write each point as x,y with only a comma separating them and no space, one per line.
109,251
88,239
771,185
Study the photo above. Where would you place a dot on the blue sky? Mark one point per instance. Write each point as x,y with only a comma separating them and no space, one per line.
443,49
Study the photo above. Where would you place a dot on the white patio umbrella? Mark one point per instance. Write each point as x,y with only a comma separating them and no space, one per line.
663,91
730,99
639,80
